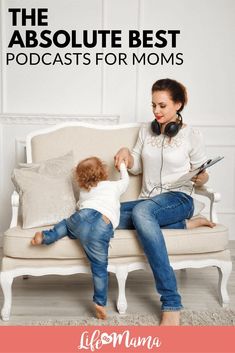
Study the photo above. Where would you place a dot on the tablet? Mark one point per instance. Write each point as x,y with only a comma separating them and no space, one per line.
188,176
208,164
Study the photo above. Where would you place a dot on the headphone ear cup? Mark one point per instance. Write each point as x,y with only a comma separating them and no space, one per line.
155,127
172,129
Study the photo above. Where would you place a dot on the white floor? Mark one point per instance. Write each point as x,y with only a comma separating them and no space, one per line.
59,297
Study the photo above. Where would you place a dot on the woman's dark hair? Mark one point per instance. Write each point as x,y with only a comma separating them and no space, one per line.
176,90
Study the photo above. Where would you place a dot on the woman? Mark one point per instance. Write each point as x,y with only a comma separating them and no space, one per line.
165,150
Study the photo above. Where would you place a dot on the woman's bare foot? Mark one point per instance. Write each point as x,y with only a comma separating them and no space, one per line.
37,239
199,222
100,312
170,318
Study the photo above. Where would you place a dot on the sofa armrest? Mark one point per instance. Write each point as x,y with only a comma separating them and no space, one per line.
15,209
213,197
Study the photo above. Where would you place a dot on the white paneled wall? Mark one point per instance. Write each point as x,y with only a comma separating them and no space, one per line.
206,41
54,89
220,141
120,82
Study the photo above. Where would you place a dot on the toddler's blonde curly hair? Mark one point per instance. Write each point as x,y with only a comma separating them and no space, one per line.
90,171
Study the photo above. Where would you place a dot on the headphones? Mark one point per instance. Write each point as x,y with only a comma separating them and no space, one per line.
171,129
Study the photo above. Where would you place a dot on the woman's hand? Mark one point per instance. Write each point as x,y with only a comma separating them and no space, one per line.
201,178
123,155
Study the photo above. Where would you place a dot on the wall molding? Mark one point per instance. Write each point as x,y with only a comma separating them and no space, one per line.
11,118
214,124
27,119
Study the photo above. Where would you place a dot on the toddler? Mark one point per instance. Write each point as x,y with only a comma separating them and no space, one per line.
94,223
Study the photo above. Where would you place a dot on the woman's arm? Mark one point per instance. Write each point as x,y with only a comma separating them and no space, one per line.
198,156
132,159
123,155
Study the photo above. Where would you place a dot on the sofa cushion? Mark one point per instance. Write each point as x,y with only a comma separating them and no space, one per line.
46,192
10,263
125,243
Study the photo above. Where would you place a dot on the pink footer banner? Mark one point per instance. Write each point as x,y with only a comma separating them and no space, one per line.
118,339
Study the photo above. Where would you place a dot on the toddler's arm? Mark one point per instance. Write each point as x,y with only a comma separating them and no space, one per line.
124,179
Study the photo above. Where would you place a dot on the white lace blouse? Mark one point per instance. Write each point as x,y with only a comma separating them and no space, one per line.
163,160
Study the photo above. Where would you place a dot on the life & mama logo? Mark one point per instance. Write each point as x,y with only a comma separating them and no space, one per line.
96,340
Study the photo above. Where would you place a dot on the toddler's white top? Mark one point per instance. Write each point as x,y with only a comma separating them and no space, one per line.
163,160
105,196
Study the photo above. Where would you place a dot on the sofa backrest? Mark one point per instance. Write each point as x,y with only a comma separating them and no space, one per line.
85,140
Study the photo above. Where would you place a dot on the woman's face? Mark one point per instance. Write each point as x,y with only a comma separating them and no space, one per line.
164,108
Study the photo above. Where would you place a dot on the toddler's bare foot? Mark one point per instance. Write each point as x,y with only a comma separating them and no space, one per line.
37,239
100,312
199,222
170,318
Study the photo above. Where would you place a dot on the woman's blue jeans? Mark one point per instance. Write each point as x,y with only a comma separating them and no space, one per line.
167,210
94,234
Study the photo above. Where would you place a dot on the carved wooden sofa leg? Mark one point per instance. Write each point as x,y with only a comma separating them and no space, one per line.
121,275
224,269
6,279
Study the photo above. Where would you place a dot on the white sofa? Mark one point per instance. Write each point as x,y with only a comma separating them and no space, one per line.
197,248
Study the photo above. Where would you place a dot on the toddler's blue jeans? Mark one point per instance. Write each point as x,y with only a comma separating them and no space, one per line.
94,234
